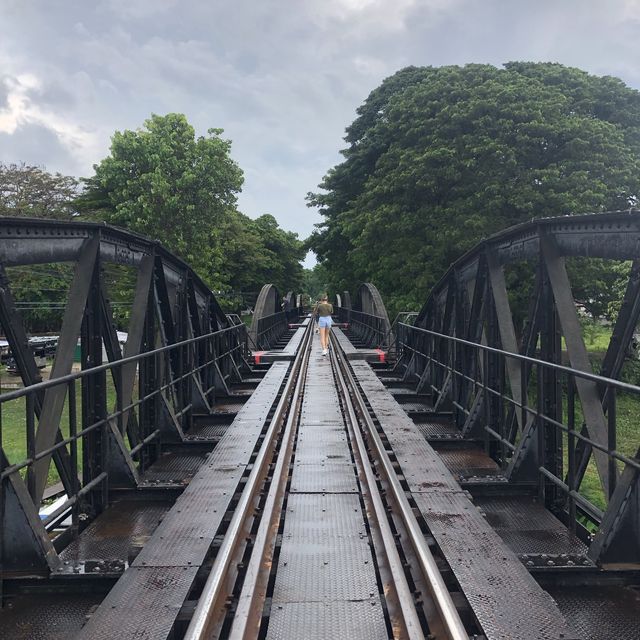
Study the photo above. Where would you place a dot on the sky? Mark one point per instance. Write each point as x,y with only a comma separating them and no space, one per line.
282,78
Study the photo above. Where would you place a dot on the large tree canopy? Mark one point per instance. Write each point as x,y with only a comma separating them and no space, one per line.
439,158
164,182
30,191
257,252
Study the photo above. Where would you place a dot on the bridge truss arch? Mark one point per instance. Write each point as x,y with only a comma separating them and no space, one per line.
521,385
369,318
181,352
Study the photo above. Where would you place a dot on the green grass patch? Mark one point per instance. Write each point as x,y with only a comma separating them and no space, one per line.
14,427
596,336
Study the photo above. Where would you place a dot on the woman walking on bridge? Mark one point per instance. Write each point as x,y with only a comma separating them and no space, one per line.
324,310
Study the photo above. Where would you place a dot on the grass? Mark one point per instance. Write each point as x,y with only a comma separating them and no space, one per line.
627,432
14,427
597,338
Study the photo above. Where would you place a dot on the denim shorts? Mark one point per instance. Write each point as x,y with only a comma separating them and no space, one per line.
324,322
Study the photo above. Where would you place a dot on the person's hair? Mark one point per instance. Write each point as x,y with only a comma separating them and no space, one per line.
324,297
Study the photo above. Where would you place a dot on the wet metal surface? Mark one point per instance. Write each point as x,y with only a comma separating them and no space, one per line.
439,429
111,535
323,478
206,432
505,599
227,406
325,584
469,462
146,600
147,612
173,468
326,620
601,613
528,528
417,407
352,352
46,616
293,345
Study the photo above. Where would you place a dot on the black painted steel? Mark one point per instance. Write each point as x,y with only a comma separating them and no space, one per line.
543,423
270,318
367,318
503,596
147,599
181,355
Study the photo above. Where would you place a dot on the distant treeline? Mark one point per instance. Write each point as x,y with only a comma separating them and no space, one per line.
439,158
163,182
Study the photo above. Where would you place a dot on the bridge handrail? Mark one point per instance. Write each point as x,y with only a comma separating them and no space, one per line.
368,327
270,329
229,342
52,382
406,336
594,377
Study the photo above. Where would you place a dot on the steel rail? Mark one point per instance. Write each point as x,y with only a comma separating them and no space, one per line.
578,373
214,588
410,623
248,613
442,598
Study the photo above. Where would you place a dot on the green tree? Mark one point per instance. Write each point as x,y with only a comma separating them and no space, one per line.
30,191
256,252
316,281
439,158
164,182
285,253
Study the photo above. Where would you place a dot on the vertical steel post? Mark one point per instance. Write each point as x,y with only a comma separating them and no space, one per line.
551,351
571,450
611,439
119,400
2,510
31,445
94,400
147,382
540,430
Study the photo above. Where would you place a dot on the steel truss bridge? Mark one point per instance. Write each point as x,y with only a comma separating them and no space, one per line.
461,472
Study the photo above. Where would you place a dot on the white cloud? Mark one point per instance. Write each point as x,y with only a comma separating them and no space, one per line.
282,78
22,109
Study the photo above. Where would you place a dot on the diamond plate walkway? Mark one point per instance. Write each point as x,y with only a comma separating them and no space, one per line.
145,602
326,579
504,597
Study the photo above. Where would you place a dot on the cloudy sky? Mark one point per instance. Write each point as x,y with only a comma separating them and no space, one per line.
282,77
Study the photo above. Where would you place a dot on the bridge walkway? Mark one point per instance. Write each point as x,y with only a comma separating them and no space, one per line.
326,579
329,573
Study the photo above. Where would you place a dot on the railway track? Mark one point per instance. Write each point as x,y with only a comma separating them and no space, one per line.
322,541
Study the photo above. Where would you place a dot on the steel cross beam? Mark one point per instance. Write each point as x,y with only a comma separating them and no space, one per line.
472,302
170,303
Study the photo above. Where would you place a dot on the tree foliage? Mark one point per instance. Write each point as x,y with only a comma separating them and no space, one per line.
164,182
316,281
439,158
30,191
258,252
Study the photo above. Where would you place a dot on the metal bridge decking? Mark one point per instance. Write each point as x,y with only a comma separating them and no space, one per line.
327,579
420,481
